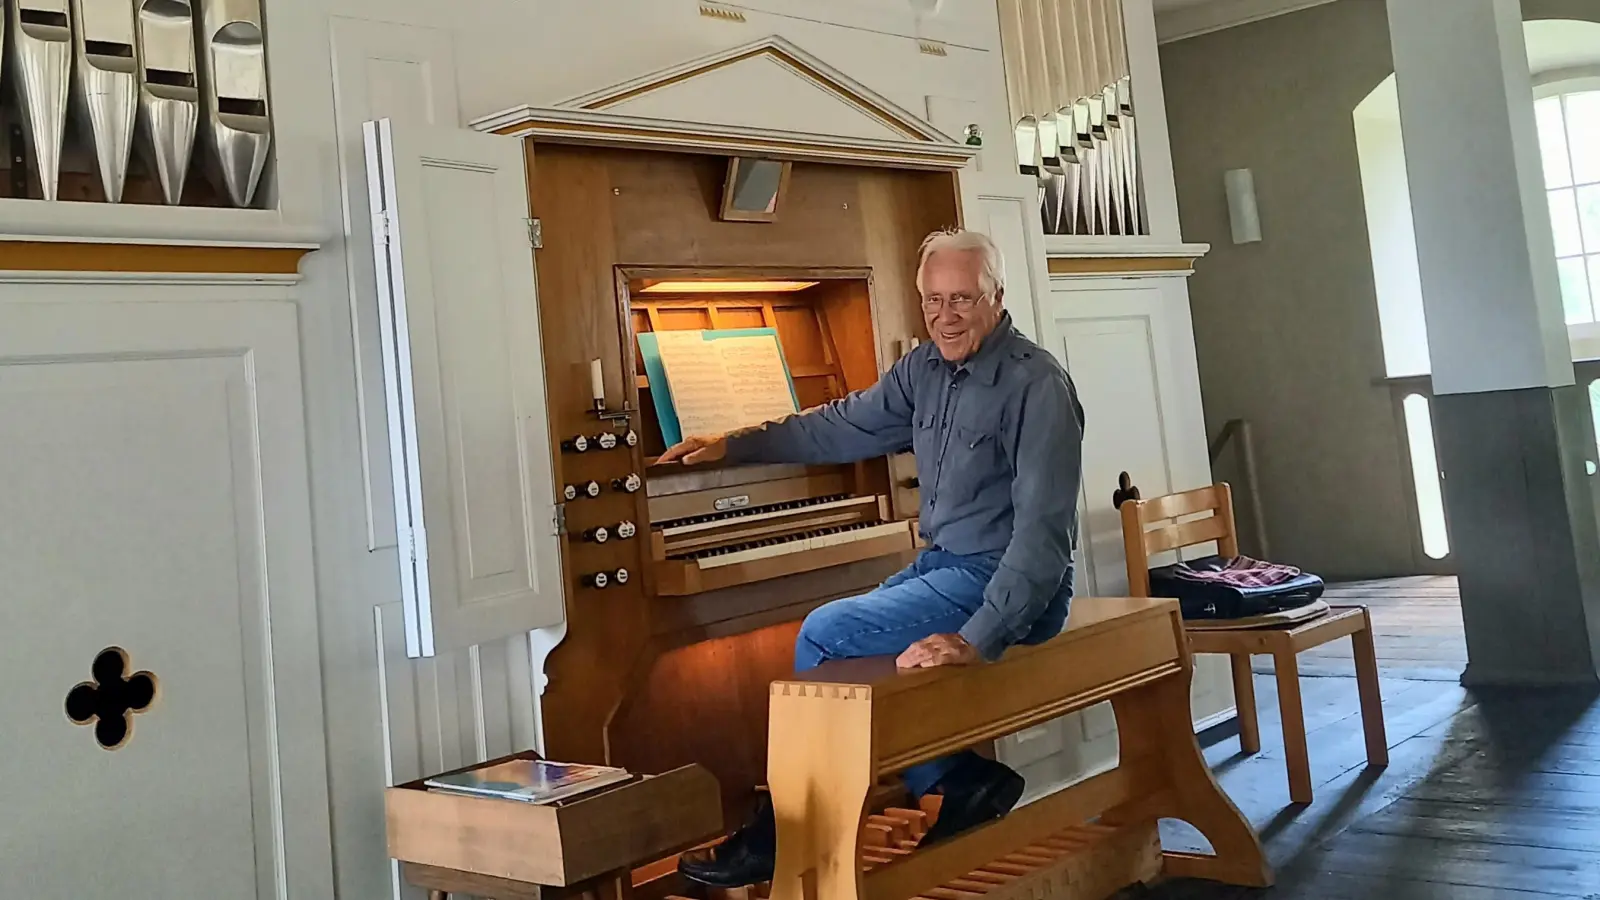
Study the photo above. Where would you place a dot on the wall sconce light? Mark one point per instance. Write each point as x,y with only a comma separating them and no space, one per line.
1243,216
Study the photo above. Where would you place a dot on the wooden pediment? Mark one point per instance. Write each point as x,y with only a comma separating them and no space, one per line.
768,98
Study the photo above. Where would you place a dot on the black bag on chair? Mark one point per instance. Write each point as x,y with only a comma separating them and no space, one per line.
1207,597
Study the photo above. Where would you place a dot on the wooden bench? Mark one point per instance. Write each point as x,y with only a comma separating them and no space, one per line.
836,730
1152,526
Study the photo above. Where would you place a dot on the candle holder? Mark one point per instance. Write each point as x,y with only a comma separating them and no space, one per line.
597,386
614,416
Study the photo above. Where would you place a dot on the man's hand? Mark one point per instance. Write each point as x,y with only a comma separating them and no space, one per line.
693,450
938,650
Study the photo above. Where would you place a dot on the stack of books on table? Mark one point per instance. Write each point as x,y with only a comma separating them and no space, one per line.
529,780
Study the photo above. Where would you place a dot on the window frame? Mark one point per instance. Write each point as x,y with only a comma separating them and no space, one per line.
1559,83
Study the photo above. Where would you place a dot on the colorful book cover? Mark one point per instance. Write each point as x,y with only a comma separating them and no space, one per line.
530,780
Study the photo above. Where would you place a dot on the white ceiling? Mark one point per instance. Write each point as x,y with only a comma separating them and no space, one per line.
1178,19
1562,44
1552,45
1557,44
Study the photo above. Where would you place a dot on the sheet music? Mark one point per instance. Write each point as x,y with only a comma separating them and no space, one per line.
727,383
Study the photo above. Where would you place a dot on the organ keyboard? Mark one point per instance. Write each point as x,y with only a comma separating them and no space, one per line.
747,526
798,543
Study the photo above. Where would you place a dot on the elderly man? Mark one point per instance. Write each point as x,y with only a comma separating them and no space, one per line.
997,431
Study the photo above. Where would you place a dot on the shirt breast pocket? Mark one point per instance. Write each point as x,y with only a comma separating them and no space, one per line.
924,435
975,461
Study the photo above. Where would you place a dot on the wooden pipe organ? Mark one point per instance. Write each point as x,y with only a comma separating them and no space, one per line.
666,598
687,583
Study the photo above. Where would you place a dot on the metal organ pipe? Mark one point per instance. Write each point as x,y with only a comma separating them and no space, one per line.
104,85
40,52
1069,85
168,91
129,74
236,118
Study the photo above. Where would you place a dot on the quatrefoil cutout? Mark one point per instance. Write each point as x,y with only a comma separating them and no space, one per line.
111,700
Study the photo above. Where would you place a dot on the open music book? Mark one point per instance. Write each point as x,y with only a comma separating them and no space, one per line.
530,780
710,382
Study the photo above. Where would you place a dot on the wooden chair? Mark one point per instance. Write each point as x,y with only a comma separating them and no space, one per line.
1151,526
837,729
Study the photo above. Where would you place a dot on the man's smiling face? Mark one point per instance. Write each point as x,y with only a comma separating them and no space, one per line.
957,311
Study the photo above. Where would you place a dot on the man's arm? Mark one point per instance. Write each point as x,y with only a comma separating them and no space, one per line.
1047,457
867,423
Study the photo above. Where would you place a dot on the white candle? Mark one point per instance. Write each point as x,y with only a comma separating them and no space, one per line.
597,381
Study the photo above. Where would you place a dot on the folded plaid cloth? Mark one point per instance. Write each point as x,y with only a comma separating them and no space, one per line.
1241,571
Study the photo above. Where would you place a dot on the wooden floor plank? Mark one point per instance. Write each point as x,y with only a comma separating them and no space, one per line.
1500,866
1486,823
1489,795
1313,885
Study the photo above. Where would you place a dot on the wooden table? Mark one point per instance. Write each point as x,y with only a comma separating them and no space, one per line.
582,848
1283,644
452,884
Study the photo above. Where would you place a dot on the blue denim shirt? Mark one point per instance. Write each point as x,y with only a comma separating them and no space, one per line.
999,447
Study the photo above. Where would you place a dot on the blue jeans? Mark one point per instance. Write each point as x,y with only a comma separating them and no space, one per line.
936,594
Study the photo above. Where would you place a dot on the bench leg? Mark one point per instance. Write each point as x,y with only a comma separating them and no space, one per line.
820,775
1287,667
1371,695
1244,698
1151,724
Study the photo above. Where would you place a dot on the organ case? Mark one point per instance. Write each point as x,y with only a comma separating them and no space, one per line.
728,559
665,598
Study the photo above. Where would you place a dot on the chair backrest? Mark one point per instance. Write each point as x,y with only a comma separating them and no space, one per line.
1140,541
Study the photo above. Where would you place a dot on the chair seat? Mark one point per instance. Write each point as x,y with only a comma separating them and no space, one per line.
1283,618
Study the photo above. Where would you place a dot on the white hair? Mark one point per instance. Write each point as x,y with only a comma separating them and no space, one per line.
991,278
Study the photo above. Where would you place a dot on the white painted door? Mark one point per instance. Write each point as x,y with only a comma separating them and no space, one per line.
407,74
1130,349
155,518
1129,344
464,386
1006,207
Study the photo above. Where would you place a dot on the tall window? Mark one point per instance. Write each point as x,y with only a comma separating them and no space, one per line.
1569,140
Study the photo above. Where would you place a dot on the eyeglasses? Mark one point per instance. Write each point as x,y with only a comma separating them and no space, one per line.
958,303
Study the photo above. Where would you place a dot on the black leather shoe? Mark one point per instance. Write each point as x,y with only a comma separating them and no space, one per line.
979,791
747,857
